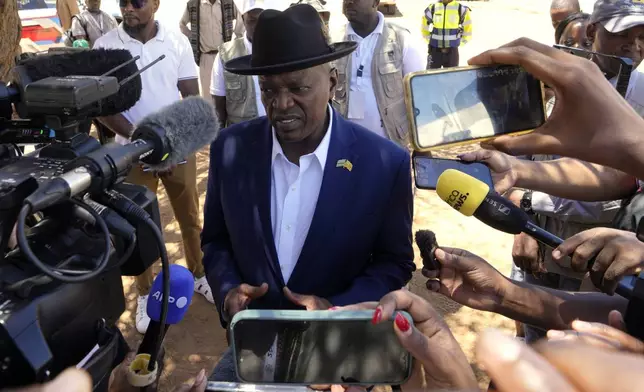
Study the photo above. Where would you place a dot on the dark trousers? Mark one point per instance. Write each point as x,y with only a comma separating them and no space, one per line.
442,58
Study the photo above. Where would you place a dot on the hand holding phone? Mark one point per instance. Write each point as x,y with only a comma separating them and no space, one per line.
466,104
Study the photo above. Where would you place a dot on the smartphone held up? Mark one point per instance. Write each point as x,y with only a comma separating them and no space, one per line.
317,348
466,105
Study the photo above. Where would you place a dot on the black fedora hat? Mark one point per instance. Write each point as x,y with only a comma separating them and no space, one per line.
288,41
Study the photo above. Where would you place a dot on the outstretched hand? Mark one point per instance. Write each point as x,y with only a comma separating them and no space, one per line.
573,129
467,279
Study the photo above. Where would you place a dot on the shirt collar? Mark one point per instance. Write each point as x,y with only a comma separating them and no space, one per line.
320,152
125,37
378,30
249,45
208,2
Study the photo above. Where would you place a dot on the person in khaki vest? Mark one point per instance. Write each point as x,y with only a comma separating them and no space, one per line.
370,87
238,98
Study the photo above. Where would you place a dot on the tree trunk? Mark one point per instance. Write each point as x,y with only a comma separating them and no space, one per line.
10,30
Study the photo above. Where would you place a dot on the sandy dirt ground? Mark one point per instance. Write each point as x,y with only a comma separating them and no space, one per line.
199,340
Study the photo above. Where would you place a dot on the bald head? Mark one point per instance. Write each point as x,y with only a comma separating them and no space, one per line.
561,9
565,4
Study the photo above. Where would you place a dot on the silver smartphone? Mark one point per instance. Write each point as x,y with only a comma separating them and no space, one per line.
317,348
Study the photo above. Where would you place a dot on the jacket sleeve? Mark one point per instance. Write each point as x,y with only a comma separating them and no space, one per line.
426,24
218,258
467,26
392,261
566,210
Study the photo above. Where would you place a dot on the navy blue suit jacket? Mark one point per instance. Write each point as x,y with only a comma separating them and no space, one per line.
359,245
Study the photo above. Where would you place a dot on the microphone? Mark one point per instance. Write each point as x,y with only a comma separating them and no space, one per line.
426,241
85,63
470,196
143,370
161,140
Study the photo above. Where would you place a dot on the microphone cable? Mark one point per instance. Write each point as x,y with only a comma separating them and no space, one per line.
54,272
131,211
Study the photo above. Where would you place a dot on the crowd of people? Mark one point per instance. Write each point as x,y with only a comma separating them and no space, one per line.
309,203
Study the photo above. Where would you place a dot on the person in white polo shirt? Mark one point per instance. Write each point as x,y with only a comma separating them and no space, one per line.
238,98
164,83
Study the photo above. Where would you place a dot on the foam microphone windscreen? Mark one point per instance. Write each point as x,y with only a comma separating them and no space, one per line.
461,191
182,286
88,63
189,125
427,244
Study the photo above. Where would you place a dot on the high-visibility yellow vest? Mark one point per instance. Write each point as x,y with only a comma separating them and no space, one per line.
447,25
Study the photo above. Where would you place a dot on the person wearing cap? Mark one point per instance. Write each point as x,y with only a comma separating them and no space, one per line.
616,28
303,198
212,23
238,98
320,7
370,86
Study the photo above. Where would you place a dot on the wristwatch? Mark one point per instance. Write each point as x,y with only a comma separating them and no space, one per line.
526,202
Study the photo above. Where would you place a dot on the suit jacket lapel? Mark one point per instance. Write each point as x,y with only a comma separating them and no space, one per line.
260,163
337,184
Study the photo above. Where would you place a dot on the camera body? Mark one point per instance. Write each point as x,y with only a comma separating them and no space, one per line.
47,324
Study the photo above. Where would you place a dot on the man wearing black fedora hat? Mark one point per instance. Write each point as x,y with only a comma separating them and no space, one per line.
303,208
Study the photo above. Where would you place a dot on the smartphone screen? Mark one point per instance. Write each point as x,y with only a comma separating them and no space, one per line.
473,103
427,170
320,351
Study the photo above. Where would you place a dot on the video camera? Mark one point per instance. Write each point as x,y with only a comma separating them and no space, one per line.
61,292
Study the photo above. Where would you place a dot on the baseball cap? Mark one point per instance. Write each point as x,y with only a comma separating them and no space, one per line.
245,6
618,15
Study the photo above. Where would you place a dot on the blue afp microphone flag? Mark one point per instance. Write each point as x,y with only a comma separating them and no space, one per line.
182,286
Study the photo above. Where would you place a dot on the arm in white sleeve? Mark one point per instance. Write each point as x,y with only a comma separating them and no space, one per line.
414,55
218,82
573,210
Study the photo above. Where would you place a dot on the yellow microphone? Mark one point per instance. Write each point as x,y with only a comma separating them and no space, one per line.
469,196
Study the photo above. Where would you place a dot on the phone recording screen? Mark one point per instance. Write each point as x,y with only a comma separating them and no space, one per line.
427,170
474,103
319,352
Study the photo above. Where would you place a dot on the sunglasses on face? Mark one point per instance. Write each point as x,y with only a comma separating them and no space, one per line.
135,3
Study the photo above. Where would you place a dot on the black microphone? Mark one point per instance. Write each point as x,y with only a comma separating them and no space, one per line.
427,244
161,140
470,196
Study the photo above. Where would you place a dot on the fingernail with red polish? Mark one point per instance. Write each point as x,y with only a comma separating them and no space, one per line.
333,308
377,315
402,323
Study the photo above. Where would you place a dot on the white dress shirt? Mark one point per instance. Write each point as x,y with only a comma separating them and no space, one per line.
363,107
294,196
218,84
160,82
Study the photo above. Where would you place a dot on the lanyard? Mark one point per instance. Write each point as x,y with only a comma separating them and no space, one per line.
270,360
363,54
